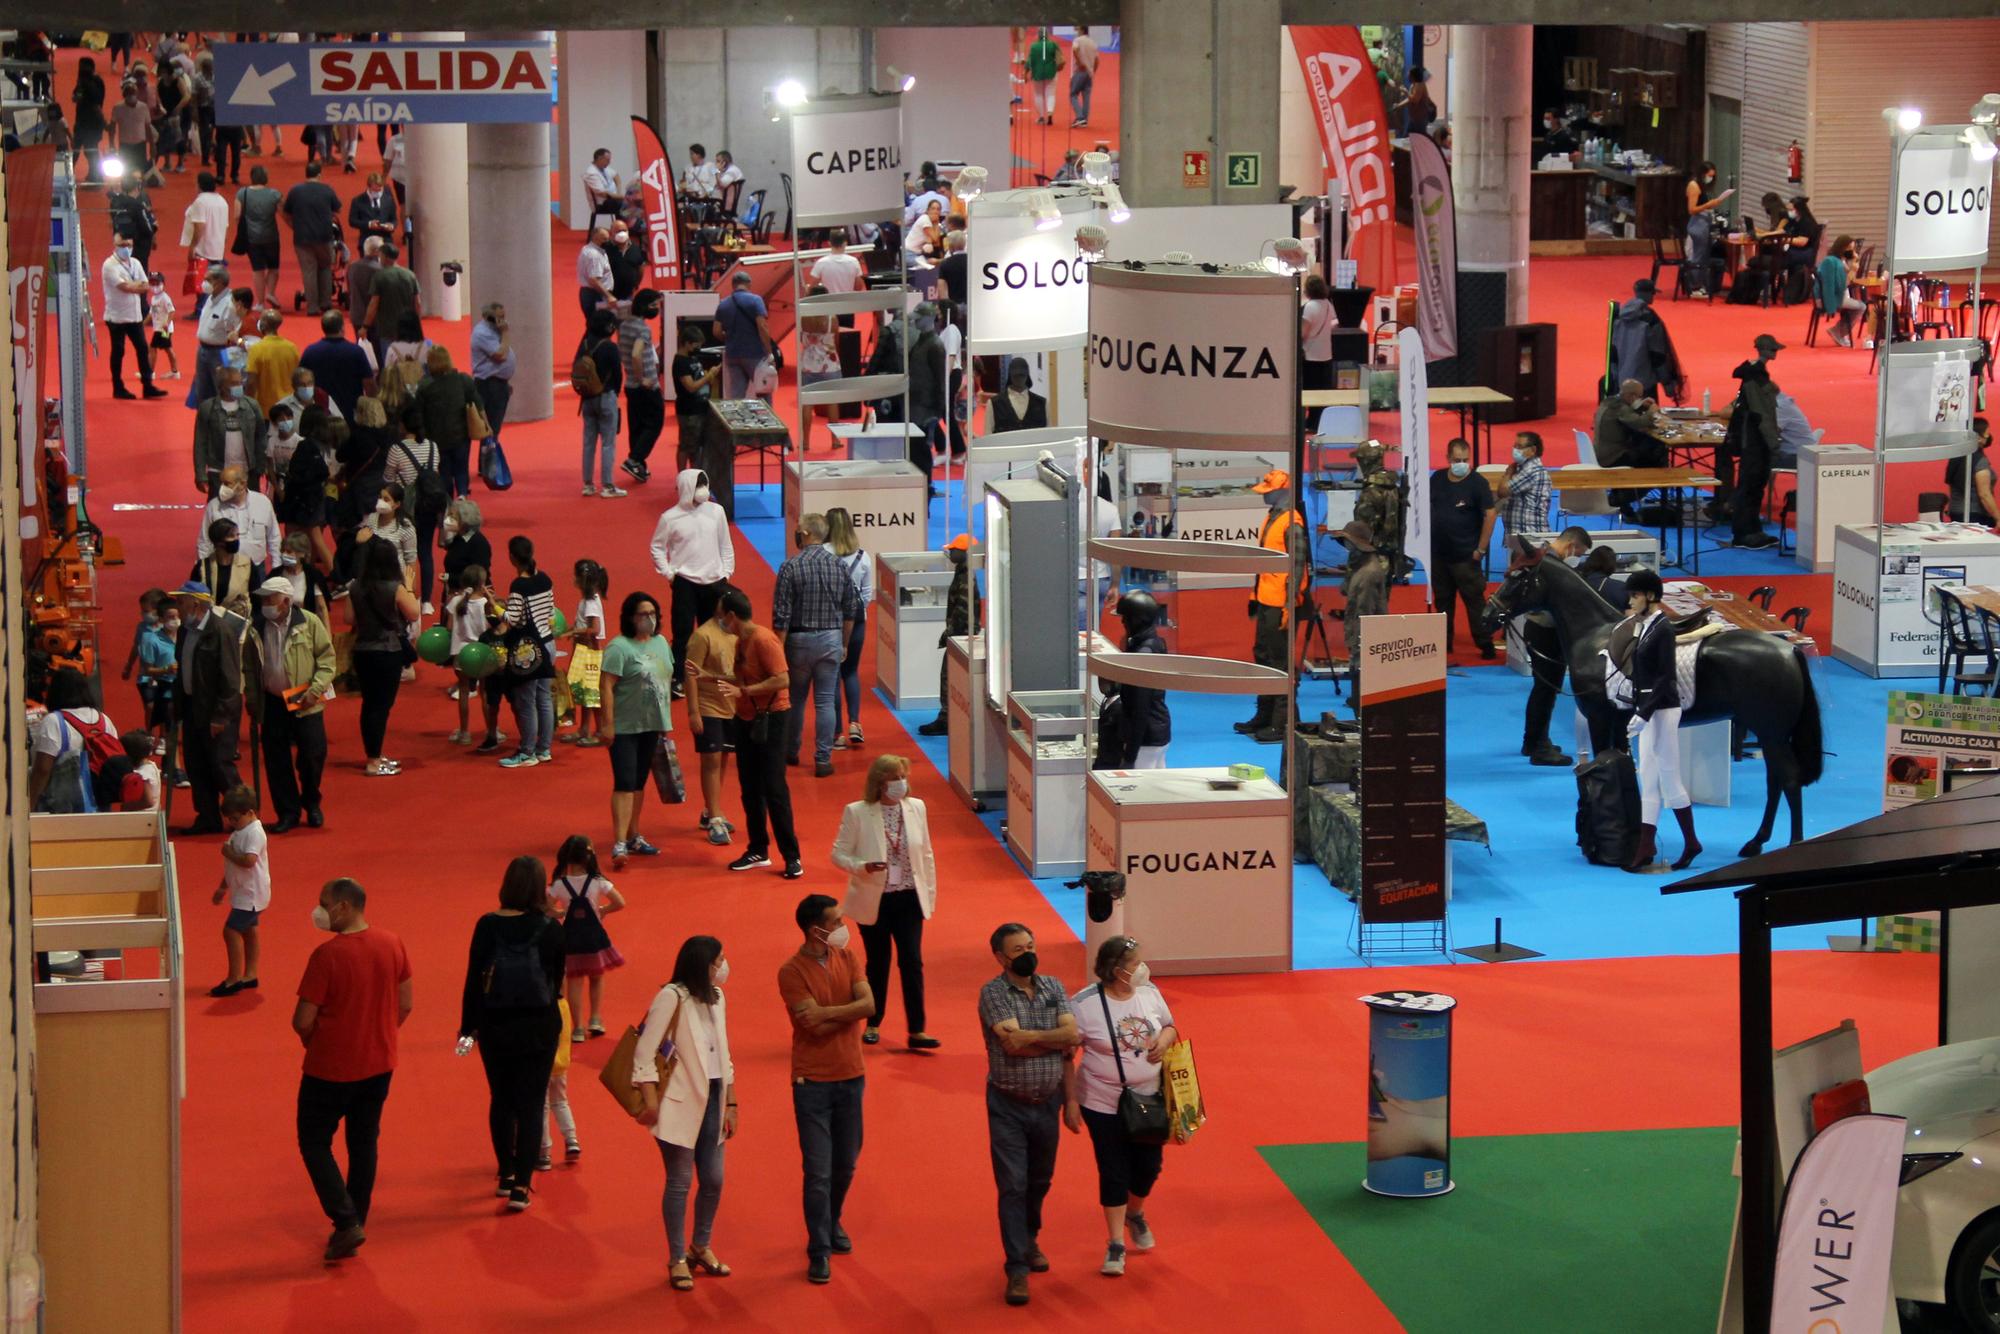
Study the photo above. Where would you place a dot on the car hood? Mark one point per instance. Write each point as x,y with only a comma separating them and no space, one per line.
1950,1095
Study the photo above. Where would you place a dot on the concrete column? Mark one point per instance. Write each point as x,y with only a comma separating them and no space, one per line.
435,156
1197,75
1492,119
602,86
508,198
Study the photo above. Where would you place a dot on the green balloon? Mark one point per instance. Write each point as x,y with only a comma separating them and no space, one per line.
434,645
560,623
478,660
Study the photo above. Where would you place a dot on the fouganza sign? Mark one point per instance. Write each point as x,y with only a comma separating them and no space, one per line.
1030,288
1180,357
1943,206
848,158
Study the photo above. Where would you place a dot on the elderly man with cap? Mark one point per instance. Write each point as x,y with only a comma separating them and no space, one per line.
961,617
1367,590
1271,600
250,510
208,701
288,670
1753,440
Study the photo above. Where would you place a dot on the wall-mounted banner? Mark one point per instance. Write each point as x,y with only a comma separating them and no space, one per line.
1437,248
1354,138
1413,392
1838,1224
1932,737
847,160
1030,287
656,181
381,83
1943,209
1403,849
1181,357
30,182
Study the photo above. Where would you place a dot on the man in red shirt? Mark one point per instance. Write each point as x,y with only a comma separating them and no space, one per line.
355,994
825,989
761,694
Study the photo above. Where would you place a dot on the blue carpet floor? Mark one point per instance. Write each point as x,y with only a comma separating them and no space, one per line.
1533,878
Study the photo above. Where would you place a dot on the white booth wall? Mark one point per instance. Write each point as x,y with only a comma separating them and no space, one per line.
959,109
600,86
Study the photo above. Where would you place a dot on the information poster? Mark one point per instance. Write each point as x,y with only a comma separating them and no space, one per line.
1931,736
1409,1093
1402,769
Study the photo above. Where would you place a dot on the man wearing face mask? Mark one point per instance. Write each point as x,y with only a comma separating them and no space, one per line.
208,701
270,363
356,993
1547,665
1271,602
372,213
961,617
251,511
290,658
125,288
216,328
1030,1032
1462,516
692,547
826,994
813,609
229,432
628,262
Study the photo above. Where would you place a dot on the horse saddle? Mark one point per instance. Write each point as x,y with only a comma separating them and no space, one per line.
1689,631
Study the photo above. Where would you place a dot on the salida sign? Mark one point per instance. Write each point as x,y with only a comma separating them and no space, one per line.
382,82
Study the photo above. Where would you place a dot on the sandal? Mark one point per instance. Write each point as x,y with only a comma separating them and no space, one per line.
708,1262
679,1275
591,740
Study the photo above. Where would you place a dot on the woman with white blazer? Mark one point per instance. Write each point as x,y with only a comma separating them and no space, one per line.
884,845
696,1112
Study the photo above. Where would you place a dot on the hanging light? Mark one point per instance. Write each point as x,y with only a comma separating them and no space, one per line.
1093,241
1114,202
1906,119
1986,111
790,93
1096,168
970,183
1286,255
900,81
1042,205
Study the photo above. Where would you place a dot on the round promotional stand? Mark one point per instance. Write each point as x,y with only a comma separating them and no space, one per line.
1409,1093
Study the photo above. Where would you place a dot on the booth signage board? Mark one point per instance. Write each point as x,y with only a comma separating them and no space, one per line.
381,83
1885,581
1403,851
1943,206
1183,358
1413,393
887,501
1030,288
847,160
1931,735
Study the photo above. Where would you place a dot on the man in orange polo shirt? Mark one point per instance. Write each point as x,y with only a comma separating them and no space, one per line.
826,995
760,696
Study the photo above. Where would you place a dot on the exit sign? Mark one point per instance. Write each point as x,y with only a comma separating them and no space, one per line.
1194,170
1246,170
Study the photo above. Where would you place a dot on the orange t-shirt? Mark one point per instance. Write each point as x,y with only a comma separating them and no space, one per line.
822,1056
759,658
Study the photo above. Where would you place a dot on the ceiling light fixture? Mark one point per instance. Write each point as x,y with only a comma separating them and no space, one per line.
1906,119
970,183
790,93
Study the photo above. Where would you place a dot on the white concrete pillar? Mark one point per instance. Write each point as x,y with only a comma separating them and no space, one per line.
601,86
508,197
1491,122
435,156
1197,75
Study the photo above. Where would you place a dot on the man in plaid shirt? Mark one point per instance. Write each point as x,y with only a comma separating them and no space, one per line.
813,610
1524,489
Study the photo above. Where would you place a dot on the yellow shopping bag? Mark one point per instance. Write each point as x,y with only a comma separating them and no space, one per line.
1185,1109
562,1042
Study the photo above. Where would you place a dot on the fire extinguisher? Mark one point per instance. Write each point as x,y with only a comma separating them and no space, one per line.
1795,163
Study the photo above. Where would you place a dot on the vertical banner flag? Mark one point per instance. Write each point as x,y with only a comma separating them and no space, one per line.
1402,757
1413,399
663,227
1354,136
1437,248
1839,1220
30,183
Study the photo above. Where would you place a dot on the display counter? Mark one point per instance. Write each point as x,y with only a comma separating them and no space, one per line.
912,591
1047,758
1556,204
1885,610
889,501
1207,862
977,749
884,442
1836,485
736,427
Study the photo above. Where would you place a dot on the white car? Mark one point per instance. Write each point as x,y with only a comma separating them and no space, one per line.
1947,1246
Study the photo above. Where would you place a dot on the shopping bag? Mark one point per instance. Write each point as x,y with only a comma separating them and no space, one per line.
562,1039
565,702
493,469
764,380
667,780
1185,1109
191,280
616,1076
476,426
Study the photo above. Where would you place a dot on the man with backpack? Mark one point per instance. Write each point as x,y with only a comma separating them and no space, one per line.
72,744
596,376
741,323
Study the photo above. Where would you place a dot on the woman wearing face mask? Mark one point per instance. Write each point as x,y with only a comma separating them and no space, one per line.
694,1115
884,845
388,524
1655,726
1702,201
635,687
1018,407
226,570
1802,237
407,460
309,587
1126,1029
459,533
383,607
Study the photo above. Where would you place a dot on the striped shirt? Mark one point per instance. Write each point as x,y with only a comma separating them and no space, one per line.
814,592
635,349
531,601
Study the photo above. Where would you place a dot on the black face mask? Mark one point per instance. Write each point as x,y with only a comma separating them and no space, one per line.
1023,965
232,545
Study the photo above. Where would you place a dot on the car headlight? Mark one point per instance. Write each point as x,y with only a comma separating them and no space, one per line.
1917,1165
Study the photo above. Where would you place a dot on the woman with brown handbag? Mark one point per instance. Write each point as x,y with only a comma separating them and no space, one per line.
682,1069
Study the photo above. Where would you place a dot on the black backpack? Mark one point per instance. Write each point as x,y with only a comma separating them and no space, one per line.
1608,813
515,979
429,494
306,476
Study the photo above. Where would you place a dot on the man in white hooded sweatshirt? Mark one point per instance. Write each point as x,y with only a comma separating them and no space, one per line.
692,547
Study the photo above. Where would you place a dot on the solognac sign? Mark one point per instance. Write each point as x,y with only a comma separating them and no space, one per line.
1943,206
1030,287
848,159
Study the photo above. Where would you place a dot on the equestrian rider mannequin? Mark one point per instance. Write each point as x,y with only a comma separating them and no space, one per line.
1655,725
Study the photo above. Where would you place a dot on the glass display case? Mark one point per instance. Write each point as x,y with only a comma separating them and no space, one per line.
1032,589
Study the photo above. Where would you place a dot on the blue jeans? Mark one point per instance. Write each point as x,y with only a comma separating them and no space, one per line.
829,1118
813,657
1081,81
600,435
535,714
207,361
850,677
682,1162
1024,1139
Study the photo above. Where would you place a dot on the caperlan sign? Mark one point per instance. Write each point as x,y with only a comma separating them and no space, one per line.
267,83
848,154
1943,208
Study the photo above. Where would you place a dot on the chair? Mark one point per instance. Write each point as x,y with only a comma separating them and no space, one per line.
1815,313
732,195
1762,595
1930,307
1586,450
785,179
1931,506
1968,636
1667,251
1796,618
1584,502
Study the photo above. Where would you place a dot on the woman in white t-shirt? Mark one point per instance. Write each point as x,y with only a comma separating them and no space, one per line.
59,778
1124,1004
1316,335
819,356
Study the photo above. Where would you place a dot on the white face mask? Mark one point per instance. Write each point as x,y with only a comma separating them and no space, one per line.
287,430
701,495
1139,976
231,393
230,493
1460,469
289,560
896,789
451,527
275,613
321,922
837,938
384,508
721,974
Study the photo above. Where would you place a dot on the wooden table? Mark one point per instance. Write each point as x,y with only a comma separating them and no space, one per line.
1670,480
1739,611
1687,436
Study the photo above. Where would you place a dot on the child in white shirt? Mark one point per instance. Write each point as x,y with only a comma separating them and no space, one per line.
160,314
246,881
470,616
587,640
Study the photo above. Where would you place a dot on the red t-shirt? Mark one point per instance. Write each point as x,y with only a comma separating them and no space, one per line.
759,658
353,979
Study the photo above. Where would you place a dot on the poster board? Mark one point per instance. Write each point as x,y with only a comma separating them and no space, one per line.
1403,767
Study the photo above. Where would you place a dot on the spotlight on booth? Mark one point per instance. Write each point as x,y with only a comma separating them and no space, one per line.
1096,168
110,166
1042,205
1986,111
1906,119
900,81
971,183
790,93
1286,255
1093,241
1114,203
1178,257
1980,139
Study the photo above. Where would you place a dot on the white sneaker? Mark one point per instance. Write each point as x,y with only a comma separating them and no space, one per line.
589,491
613,492
429,610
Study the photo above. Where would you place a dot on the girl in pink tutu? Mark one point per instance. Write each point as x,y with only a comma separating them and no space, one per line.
582,899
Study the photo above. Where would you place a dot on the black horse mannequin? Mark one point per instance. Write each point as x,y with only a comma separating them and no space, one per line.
1757,679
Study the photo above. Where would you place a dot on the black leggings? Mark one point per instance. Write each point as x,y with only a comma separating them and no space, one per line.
518,1049
1124,1169
381,674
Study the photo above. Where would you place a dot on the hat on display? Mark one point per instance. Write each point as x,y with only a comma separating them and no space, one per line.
1359,534
194,588
277,586
963,542
1275,480
1766,343
1645,287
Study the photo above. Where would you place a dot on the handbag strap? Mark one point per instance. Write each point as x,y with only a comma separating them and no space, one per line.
1111,1032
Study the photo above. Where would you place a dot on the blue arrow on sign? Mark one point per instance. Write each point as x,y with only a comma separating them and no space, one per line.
266,83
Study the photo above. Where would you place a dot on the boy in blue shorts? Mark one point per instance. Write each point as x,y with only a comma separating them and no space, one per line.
246,880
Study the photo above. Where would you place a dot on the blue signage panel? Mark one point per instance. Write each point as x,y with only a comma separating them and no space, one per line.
378,83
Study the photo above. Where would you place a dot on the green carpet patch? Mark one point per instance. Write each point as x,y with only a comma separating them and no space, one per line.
1624,1230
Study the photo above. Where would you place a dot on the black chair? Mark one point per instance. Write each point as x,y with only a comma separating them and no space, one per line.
785,179
1933,502
1762,595
1930,308
1796,618
1815,314
1968,633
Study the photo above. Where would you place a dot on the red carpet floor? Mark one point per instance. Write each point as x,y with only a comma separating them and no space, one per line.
1568,1046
